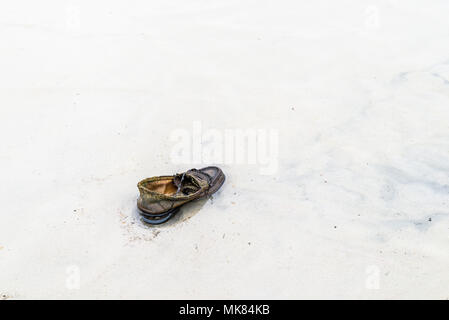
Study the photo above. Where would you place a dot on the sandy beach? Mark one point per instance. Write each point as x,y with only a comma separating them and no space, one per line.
342,194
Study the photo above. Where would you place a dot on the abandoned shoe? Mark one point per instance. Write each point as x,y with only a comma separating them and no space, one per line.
161,197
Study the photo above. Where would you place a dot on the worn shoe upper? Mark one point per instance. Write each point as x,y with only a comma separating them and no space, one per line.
163,193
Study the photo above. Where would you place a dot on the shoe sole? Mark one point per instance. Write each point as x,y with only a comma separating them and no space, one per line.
155,219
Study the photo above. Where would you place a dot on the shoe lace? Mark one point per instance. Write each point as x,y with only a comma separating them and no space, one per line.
180,184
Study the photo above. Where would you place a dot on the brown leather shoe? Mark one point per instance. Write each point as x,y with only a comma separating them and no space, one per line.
161,197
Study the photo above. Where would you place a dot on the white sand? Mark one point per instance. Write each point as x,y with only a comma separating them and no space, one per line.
358,90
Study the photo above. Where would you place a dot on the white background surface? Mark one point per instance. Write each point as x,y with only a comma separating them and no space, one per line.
358,90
